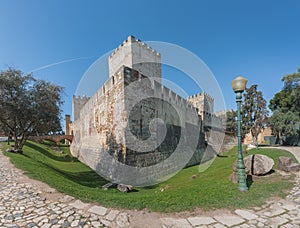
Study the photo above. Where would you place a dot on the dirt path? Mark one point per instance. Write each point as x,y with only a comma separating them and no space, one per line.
293,149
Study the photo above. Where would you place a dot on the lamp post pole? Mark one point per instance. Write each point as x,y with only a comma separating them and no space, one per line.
240,163
239,85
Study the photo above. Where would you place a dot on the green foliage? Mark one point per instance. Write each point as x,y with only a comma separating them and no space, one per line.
286,123
286,107
254,112
231,125
291,81
209,190
28,106
282,101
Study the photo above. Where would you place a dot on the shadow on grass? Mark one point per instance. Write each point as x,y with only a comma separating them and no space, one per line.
150,187
50,155
88,178
269,173
222,156
51,143
249,181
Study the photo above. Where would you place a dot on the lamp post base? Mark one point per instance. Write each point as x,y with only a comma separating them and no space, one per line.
243,188
242,180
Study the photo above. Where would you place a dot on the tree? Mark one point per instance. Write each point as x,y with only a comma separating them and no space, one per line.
28,106
231,125
285,105
283,124
254,113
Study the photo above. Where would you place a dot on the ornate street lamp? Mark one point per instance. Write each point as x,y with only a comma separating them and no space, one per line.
238,86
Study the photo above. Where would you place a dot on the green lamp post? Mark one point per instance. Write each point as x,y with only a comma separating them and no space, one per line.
238,86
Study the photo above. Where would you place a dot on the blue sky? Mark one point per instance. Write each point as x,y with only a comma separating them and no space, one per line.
257,39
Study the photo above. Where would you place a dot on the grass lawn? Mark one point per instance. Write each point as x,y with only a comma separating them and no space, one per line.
209,190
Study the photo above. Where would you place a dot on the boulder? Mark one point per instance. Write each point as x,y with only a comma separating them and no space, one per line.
120,187
256,164
109,185
233,177
10,150
286,164
284,161
294,167
124,188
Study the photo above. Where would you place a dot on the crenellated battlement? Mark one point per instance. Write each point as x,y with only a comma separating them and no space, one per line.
202,95
81,98
131,39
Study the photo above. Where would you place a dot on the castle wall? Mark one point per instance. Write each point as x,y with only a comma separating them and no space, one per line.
109,120
158,102
98,119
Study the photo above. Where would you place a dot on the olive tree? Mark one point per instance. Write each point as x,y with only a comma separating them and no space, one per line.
28,106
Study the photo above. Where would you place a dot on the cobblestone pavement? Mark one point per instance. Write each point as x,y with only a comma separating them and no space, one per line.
23,204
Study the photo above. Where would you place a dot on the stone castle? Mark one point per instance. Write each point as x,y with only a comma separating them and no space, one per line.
136,121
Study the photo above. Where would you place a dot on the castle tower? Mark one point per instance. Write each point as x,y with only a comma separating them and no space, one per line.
68,130
78,103
205,105
203,102
68,122
137,55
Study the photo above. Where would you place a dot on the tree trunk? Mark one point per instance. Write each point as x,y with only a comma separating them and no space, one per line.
254,137
23,141
281,140
256,141
16,140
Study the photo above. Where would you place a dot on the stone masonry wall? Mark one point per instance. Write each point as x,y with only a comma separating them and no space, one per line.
97,120
106,123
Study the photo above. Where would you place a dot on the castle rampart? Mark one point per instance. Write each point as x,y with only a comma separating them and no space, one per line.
127,110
